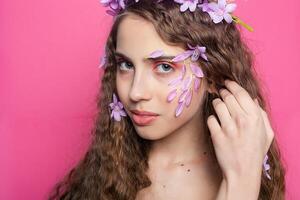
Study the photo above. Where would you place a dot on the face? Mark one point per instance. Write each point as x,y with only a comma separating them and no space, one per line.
145,84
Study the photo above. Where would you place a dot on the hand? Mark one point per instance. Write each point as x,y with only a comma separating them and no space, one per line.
244,135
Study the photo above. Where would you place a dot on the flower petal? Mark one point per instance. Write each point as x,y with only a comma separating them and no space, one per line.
115,100
172,95
184,6
122,113
120,105
230,7
213,6
222,4
182,96
175,81
179,109
188,98
197,71
227,18
183,70
192,7
190,46
186,83
156,54
195,55
117,116
196,84
182,56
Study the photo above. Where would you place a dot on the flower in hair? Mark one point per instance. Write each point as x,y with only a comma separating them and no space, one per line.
115,5
204,6
116,109
187,4
102,61
266,167
221,10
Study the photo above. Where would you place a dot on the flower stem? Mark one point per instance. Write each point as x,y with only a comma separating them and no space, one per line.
239,21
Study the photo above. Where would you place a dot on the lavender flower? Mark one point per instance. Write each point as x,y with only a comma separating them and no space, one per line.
187,4
195,52
115,5
204,6
266,167
117,109
219,11
103,61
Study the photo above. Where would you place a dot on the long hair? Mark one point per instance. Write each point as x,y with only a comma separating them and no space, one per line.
114,167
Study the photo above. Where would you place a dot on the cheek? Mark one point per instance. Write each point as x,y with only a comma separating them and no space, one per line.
123,87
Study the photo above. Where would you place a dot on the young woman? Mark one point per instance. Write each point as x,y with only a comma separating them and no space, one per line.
181,111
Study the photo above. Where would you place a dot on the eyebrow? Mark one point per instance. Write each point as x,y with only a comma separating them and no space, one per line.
164,57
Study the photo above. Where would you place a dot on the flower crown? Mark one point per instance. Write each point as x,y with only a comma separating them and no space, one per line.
218,11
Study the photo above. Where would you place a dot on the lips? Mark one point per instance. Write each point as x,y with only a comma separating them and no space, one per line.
143,117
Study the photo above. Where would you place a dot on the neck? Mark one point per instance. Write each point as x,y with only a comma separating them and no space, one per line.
188,143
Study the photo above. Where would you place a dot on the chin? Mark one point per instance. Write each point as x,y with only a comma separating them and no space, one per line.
149,135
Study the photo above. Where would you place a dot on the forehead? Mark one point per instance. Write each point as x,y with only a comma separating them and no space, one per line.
137,37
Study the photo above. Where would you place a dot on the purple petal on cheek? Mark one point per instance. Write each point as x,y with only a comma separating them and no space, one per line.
175,81
179,109
196,70
183,70
188,98
196,84
186,83
172,95
156,54
182,96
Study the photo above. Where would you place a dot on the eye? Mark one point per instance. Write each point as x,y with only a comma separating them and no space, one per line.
165,68
124,65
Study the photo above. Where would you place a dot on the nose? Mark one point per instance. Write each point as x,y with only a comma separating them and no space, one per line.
140,88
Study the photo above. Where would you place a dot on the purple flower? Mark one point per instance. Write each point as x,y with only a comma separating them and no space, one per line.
115,5
219,11
187,4
117,109
195,52
204,6
266,167
103,61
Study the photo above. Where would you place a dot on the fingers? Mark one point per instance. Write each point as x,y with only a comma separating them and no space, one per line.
242,96
231,103
215,129
269,129
222,111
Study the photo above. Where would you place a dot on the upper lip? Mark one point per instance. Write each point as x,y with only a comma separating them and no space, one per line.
142,112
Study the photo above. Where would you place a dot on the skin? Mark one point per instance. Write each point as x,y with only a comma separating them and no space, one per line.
180,162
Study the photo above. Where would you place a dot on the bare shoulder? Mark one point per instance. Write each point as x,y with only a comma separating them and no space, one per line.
185,181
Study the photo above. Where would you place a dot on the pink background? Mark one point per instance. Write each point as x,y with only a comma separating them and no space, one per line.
49,54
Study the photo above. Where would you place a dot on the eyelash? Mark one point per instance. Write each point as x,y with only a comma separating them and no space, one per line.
157,64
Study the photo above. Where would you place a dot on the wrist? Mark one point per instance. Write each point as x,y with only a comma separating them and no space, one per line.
243,187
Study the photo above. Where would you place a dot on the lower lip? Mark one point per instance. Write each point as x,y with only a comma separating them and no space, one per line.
143,119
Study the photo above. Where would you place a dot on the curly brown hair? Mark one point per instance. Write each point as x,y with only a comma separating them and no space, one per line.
115,165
